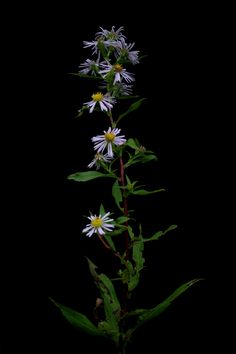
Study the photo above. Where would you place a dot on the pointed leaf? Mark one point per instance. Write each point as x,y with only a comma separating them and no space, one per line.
86,76
110,241
144,192
92,268
78,320
111,291
116,192
87,176
128,97
131,108
133,282
138,248
102,210
131,143
110,300
131,234
157,310
158,234
147,158
121,219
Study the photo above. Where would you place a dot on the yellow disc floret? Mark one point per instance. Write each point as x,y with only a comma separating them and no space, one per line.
118,67
97,222
110,137
97,97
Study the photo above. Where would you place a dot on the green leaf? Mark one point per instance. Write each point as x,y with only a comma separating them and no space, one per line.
127,97
78,320
92,268
146,158
86,76
111,305
102,48
116,193
131,234
158,234
131,143
110,241
102,210
147,315
157,310
133,281
140,157
144,192
87,176
121,219
112,293
131,108
138,248
110,300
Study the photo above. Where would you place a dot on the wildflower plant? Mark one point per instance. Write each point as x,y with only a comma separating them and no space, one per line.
111,64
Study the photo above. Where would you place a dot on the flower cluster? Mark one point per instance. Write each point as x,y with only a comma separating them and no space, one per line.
113,54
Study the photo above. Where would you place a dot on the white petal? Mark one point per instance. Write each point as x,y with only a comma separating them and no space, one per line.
89,234
109,148
100,231
102,106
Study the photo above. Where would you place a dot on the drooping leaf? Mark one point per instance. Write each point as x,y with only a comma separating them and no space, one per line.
111,291
131,108
145,192
110,300
78,320
87,176
111,305
158,234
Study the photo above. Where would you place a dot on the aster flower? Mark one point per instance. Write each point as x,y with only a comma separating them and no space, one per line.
108,139
89,66
111,35
118,71
105,102
98,224
122,89
98,158
94,45
119,89
124,50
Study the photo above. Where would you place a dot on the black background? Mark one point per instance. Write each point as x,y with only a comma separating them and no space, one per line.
178,121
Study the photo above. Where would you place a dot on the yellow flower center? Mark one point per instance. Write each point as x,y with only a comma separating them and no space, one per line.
97,222
118,67
97,97
110,137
